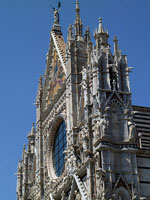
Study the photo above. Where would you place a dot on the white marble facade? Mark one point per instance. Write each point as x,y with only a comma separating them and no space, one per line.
105,140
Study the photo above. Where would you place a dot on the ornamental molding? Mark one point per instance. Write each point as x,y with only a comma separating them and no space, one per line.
50,140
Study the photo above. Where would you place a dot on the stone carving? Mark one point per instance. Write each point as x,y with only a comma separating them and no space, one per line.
56,13
132,130
102,103
105,124
97,130
95,58
100,177
99,184
85,140
77,195
96,104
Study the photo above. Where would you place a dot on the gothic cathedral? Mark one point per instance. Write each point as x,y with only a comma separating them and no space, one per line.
90,142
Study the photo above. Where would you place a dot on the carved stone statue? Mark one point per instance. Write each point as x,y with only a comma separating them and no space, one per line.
104,125
56,16
102,103
85,140
99,186
95,58
56,13
132,130
100,177
97,130
97,160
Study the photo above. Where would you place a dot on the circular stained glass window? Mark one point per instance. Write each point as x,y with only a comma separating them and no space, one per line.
58,148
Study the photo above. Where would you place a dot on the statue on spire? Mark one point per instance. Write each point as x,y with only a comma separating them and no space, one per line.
56,13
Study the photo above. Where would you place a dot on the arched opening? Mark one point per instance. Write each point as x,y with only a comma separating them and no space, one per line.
122,194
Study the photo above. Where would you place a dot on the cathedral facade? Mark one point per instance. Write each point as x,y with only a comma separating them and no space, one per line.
89,142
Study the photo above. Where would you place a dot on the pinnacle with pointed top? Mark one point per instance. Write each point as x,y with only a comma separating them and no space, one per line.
77,9
101,36
70,32
28,134
116,47
87,34
100,29
23,152
19,164
29,147
33,129
78,23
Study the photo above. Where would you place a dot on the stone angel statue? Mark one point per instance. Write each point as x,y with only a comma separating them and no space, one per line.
56,13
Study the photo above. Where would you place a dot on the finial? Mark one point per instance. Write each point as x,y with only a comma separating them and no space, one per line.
28,134
19,164
29,147
87,34
24,148
78,23
56,13
70,32
23,152
33,129
77,9
115,38
116,47
100,29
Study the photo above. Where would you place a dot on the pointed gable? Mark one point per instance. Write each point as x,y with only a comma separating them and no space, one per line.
56,69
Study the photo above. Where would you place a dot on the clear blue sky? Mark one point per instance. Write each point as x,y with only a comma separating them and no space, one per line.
24,39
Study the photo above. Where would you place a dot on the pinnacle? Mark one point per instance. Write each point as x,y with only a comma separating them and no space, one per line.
100,30
115,38
28,134
32,129
77,10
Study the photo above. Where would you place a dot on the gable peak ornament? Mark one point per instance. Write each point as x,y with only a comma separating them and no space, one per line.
56,13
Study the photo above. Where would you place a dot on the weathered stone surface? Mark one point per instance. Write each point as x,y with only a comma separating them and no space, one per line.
107,155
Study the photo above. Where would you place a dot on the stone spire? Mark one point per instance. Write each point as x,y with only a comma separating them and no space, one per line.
100,29
33,129
23,152
101,36
29,147
29,134
87,35
116,47
78,23
70,33
77,10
